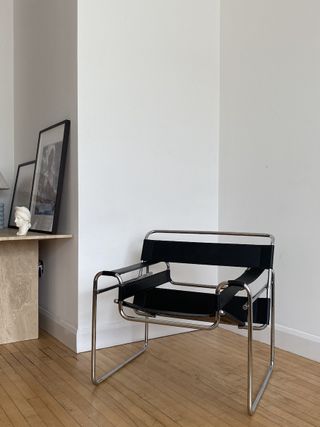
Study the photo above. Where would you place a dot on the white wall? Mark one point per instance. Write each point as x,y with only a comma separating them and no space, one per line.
149,138
45,78
269,154
6,98
148,134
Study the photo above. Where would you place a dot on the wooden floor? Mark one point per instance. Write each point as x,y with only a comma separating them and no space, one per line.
193,379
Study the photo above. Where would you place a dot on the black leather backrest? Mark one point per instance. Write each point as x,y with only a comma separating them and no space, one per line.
221,254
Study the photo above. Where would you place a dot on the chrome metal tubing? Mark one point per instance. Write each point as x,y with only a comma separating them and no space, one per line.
213,233
252,403
250,351
165,322
98,379
262,327
193,285
273,322
182,324
255,296
146,333
255,327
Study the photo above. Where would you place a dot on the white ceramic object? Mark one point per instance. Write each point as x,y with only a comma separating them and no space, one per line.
22,220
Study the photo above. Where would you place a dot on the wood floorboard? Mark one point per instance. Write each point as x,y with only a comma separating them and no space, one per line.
30,383
187,380
4,420
126,400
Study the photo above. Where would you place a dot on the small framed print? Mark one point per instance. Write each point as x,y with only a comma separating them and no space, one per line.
22,189
48,177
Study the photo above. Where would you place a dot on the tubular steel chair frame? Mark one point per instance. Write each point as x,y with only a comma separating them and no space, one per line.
233,286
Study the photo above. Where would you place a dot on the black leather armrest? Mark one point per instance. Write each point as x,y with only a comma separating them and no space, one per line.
116,273
247,277
235,286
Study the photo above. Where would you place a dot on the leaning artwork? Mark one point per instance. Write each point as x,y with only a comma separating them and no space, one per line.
48,177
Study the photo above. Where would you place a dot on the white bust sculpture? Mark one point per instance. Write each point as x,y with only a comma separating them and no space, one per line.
22,220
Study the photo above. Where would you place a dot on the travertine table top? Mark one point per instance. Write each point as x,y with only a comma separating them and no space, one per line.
8,234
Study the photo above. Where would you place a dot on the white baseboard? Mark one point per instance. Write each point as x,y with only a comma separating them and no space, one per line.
298,342
58,328
121,332
292,340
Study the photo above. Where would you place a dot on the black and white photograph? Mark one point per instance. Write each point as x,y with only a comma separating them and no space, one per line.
48,177
22,189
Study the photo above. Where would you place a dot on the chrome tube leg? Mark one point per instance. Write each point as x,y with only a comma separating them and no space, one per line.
97,380
94,336
146,334
250,353
273,323
252,403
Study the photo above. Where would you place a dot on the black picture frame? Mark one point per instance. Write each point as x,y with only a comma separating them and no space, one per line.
22,189
48,177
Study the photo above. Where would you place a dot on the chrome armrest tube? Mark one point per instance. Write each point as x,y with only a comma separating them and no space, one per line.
212,233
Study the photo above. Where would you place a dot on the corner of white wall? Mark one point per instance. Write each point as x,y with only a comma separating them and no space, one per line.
6,99
269,136
58,328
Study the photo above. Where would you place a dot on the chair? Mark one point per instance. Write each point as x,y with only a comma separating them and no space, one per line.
150,303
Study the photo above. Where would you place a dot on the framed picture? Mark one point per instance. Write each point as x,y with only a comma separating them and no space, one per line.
22,189
48,177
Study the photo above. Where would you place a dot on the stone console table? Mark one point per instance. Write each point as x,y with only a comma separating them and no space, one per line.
19,258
